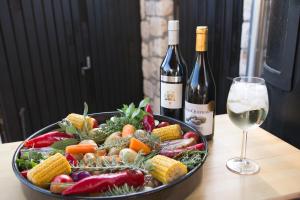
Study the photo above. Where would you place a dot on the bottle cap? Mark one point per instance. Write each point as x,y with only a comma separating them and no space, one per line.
202,29
173,25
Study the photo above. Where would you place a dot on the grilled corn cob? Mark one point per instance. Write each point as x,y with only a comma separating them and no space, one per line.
171,132
42,174
78,121
166,169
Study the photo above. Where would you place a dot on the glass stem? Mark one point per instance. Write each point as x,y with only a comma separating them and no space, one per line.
244,145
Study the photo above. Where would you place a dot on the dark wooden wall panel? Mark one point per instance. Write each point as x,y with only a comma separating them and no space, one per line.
224,21
43,47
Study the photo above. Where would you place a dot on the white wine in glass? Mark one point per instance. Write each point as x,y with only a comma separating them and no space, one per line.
247,108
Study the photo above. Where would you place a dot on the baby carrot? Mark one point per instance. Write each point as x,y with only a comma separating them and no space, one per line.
81,148
128,130
137,146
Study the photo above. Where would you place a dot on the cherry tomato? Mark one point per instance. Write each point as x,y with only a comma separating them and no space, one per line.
62,179
24,173
191,134
95,123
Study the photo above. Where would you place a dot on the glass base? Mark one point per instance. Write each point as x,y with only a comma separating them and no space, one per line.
242,166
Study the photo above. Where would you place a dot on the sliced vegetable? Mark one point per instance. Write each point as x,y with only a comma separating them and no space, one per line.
81,148
128,155
177,144
78,121
166,169
137,146
79,175
46,139
103,182
176,152
43,173
58,188
191,134
128,130
171,132
162,124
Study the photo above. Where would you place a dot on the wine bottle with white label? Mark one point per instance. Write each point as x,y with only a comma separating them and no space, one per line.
200,94
173,75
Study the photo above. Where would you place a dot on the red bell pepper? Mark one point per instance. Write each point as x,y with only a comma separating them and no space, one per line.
46,139
72,160
101,183
175,152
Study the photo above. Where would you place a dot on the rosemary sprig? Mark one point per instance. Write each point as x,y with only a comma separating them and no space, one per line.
191,158
121,190
105,165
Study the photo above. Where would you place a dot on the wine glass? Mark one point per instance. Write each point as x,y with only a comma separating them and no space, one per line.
247,108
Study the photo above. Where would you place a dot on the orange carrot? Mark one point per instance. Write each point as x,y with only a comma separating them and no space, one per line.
81,148
128,130
137,146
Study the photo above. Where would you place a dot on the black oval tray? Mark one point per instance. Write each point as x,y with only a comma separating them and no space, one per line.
178,189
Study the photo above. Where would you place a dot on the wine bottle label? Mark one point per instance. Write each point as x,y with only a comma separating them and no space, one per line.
171,95
200,116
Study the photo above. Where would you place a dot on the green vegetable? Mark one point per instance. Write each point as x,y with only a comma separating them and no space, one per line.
29,159
191,158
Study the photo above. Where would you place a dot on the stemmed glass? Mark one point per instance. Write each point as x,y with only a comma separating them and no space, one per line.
247,108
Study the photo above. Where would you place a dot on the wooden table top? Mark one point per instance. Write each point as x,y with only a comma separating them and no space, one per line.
279,177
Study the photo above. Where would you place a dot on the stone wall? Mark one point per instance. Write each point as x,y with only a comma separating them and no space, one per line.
154,21
245,36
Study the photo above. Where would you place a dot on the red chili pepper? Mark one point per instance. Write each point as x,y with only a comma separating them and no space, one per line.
175,152
46,139
71,159
148,123
101,183
149,109
24,173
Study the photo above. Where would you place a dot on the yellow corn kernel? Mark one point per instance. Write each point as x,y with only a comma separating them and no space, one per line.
78,121
42,174
166,169
171,132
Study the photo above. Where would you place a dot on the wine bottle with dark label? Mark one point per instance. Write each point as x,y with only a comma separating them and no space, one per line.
173,75
200,94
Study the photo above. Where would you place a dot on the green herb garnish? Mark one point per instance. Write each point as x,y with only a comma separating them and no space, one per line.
29,159
122,190
62,144
191,158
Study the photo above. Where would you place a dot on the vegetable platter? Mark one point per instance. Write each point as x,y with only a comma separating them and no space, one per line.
129,153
